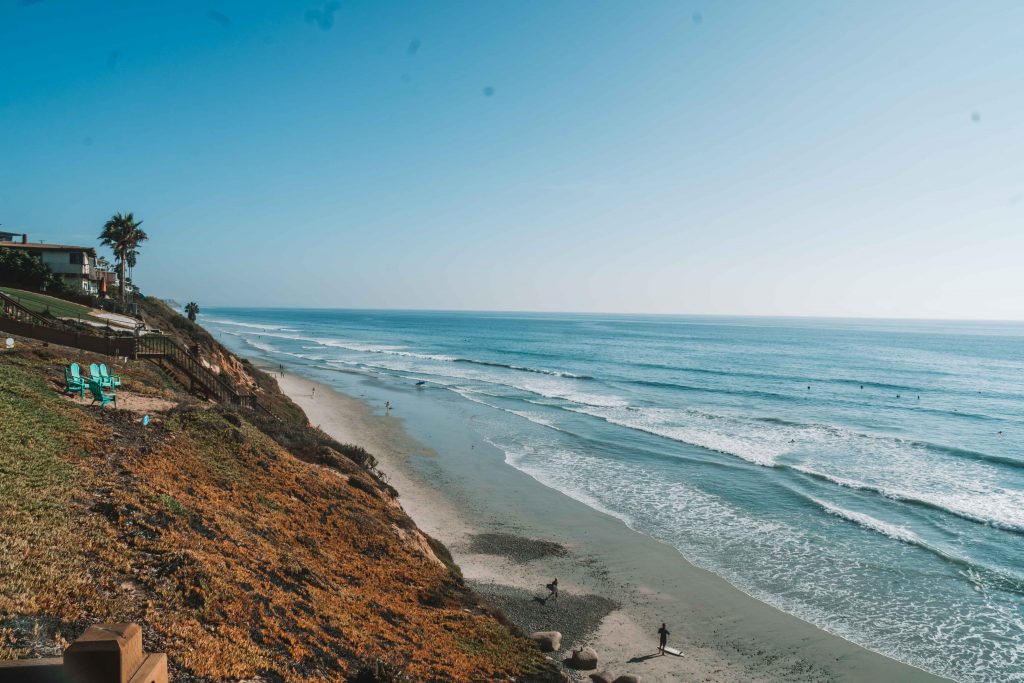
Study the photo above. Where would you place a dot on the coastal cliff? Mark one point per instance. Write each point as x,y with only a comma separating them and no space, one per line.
249,544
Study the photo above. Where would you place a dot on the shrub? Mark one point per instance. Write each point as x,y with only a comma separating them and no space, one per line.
19,268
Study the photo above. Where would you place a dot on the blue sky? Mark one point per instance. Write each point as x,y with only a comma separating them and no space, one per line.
782,158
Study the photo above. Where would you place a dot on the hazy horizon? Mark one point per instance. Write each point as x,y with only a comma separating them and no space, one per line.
231,307
828,161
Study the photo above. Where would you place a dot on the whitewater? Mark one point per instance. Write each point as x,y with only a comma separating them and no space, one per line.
866,476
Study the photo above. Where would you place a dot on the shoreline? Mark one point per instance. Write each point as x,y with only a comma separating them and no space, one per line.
617,585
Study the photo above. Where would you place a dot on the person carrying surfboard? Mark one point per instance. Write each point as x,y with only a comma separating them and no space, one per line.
553,590
663,635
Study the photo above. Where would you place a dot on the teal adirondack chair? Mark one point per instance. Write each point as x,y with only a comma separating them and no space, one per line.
108,379
96,389
96,375
73,381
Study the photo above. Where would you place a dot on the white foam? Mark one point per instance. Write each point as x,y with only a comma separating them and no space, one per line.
967,488
899,533
713,432
221,321
261,346
533,417
995,506
826,578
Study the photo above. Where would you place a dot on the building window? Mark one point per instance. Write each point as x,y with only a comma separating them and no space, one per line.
76,258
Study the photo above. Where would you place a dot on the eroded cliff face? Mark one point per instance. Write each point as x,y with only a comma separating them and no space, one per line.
249,547
161,316
222,363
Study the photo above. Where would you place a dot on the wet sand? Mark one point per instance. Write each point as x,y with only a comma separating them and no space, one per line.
511,536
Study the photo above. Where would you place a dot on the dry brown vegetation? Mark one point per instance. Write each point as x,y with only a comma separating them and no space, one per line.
241,560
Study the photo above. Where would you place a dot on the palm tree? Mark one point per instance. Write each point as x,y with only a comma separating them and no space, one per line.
130,260
192,308
123,235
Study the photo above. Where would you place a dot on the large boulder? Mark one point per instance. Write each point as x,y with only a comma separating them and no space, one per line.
584,659
627,678
602,677
547,641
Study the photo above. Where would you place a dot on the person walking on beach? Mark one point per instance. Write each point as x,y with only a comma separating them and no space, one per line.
387,406
553,588
663,635
313,395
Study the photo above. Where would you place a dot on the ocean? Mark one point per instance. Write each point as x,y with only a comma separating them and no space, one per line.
864,475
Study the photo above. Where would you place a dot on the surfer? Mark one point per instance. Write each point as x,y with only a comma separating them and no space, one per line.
663,635
553,588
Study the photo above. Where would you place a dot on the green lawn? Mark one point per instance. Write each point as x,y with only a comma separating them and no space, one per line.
41,302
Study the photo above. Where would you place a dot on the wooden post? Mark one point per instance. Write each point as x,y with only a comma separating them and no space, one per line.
105,653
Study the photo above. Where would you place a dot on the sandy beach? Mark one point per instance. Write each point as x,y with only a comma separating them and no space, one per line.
511,535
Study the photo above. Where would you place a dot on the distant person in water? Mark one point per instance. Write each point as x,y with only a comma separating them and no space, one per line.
387,406
662,638
553,588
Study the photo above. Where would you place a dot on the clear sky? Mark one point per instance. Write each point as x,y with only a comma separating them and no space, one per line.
780,158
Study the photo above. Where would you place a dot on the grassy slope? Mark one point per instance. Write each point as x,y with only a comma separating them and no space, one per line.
240,559
41,303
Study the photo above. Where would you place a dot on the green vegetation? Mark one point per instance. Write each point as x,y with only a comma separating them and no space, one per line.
33,480
41,303
17,267
172,504
192,309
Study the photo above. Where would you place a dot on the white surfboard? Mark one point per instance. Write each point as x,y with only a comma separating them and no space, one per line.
673,651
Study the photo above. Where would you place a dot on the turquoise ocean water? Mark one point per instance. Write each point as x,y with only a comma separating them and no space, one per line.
867,476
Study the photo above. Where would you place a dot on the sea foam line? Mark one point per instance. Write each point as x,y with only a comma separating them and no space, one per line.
1002,519
899,533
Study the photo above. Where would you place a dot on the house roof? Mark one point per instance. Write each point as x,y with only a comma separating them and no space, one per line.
47,247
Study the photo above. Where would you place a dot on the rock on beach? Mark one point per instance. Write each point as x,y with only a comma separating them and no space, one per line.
547,641
584,659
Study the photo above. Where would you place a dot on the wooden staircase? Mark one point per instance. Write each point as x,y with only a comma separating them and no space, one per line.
203,380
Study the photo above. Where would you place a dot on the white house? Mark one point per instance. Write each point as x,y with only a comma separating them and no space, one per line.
76,265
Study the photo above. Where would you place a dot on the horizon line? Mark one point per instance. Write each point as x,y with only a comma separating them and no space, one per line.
616,313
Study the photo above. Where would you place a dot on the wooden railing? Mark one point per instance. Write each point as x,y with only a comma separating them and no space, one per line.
13,308
49,331
16,319
202,378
